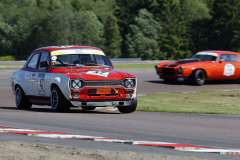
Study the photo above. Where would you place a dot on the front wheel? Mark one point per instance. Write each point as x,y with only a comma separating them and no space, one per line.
58,102
21,99
199,77
128,109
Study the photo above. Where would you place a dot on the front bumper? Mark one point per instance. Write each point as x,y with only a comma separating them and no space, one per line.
101,104
173,74
87,97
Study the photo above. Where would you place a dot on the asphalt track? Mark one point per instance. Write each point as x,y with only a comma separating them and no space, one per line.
205,130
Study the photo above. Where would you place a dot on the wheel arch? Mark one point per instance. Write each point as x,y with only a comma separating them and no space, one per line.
200,69
55,85
65,103
61,81
15,87
61,89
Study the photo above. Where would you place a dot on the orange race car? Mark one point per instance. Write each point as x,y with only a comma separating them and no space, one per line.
205,65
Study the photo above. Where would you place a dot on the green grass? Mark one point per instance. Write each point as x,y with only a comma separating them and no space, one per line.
7,58
134,66
7,66
203,102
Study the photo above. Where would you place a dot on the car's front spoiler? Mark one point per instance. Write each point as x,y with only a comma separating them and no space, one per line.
101,104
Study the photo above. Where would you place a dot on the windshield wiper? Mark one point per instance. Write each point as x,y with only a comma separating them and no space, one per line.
91,64
105,66
65,64
80,65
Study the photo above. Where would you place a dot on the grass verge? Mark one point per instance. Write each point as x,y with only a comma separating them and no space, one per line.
11,65
7,58
203,102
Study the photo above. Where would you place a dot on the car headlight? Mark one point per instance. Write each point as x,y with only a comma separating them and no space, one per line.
76,84
129,83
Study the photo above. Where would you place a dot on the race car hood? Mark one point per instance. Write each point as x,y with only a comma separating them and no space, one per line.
94,73
181,62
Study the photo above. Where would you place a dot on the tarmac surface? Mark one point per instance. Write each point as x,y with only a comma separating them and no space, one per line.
205,130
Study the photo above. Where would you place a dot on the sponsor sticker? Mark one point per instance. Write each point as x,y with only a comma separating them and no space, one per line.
99,73
229,70
76,51
54,59
207,53
41,85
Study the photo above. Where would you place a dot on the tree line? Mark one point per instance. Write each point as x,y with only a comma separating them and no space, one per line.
147,29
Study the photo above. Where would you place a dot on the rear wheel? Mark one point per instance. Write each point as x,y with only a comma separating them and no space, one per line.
199,77
21,99
58,102
128,109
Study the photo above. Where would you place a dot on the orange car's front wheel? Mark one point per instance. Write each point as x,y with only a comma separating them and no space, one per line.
199,77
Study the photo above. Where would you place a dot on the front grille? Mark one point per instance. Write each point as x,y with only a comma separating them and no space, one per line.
103,83
168,71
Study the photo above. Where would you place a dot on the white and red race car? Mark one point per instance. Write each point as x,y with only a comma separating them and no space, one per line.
68,76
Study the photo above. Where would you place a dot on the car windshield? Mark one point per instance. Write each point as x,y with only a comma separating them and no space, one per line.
206,56
79,58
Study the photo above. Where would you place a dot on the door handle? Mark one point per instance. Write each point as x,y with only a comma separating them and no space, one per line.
34,74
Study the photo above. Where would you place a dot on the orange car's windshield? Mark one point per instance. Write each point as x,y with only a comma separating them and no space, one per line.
205,57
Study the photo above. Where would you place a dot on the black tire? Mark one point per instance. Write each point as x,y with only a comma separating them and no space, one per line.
58,102
88,108
128,109
21,99
199,77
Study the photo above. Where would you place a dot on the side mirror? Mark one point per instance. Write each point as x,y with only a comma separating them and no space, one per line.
221,61
43,64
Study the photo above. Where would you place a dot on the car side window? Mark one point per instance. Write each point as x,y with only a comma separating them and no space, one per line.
229,58
33,62
233,58
44,57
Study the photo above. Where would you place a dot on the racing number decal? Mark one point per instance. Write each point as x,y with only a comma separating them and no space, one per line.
41,86
229,70
99,73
